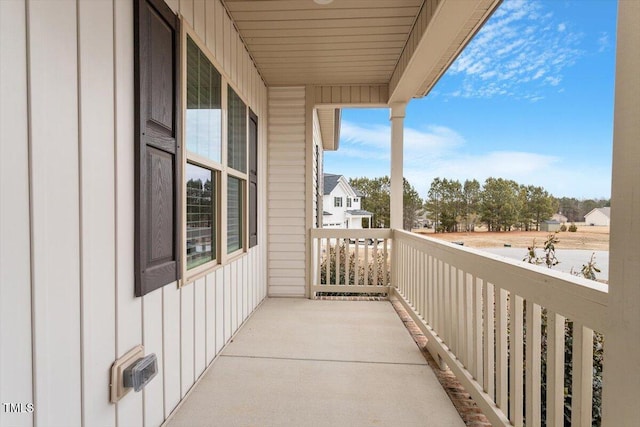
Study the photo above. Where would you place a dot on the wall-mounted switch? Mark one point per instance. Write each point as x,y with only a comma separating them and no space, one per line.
141,372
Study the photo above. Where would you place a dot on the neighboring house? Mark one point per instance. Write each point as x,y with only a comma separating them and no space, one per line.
598,216
342,204
550,225
560,218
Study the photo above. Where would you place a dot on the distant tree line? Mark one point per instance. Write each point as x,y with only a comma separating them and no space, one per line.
376,199
452,206
501,204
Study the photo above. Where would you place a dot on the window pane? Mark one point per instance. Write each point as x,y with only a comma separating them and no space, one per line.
237,146
234,214
200,216
204,113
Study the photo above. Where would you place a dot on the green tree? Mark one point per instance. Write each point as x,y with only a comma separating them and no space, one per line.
471,200
412,205
376,199
499,204
434,202
453,201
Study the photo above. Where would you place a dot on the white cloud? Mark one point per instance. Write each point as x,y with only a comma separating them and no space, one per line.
374,141
603,42
438,151
519,45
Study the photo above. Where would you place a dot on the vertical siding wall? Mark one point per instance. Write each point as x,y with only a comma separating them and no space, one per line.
67,308
287,192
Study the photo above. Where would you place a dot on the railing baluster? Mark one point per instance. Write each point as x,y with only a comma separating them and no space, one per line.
327,277
356,266
430,293
453,307
468,291
318,247
516,359
501,349
478,362
415,271
375,261
555,369
462,330
366,263
423,288
489,342
532,407
437,297
338,252
347,260
446,306
385,269
582,376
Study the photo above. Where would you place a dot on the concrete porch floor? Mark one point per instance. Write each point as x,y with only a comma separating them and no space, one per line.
299,362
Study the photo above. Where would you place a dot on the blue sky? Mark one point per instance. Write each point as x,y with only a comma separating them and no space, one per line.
529,99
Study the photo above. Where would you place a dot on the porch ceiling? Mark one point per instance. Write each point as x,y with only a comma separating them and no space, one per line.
341,43
404,45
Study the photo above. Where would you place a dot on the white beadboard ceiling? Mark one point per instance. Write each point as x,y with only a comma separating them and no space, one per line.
344,42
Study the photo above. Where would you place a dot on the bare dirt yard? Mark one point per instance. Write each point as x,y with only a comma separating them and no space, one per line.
587,237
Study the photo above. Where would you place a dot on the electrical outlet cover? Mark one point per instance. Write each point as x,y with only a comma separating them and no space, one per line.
118,390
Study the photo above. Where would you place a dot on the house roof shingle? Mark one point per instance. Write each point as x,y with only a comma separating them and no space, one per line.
330,182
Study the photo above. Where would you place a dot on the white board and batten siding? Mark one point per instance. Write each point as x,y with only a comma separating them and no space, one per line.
287,192
66,218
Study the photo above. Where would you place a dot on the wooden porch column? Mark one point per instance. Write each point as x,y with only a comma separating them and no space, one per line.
397,139
622,338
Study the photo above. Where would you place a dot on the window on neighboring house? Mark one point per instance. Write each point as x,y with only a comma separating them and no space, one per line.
348,202
337,202
355,200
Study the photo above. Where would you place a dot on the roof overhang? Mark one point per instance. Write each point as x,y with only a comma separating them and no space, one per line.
329,121
404,45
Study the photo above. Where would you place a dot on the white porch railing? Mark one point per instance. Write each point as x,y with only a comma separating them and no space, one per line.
488,318
351,260
478,312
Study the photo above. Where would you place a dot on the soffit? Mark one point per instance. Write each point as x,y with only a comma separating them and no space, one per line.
342,43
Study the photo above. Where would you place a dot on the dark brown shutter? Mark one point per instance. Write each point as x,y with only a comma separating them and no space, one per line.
253,179
157,149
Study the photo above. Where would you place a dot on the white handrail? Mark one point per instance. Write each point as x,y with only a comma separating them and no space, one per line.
478,310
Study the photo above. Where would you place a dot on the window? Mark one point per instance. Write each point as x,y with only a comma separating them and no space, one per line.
203,135
201,236
348,202
234,214
204,109
355,200
237,138
194,171
337,202
237,162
